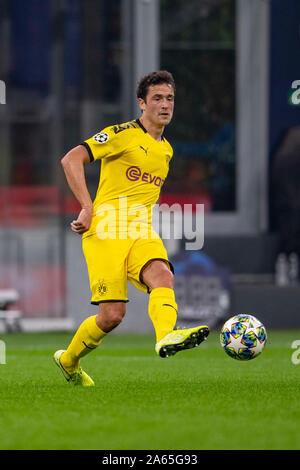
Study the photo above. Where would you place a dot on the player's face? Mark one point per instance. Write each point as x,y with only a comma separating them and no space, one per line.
159,104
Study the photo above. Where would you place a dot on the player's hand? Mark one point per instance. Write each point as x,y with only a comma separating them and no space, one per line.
83,222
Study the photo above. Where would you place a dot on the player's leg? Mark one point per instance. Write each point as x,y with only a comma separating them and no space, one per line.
108,285
86,339
91,333
163,312
110,315
150,270
162,308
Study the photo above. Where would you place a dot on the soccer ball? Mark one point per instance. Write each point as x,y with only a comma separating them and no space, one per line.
243,337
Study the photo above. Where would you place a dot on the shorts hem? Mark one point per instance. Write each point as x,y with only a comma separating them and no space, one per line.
97,302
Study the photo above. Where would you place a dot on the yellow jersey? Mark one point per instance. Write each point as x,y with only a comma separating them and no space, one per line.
134,167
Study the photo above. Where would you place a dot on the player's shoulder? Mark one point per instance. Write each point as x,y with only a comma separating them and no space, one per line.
126,127
116,132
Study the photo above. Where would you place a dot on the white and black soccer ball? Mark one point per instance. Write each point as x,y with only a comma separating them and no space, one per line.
243,337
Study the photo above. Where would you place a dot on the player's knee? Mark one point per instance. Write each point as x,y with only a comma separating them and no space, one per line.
111,314
116,317
158,274
166,278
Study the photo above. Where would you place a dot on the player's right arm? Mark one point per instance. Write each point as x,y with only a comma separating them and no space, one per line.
73,164
104,144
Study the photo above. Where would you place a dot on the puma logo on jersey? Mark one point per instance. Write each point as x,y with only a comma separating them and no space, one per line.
145,150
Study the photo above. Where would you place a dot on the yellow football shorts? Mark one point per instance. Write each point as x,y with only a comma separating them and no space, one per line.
111,262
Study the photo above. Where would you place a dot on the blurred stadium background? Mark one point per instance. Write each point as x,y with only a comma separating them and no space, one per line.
70,68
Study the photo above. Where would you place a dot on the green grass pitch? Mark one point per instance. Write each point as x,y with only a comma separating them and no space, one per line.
198,399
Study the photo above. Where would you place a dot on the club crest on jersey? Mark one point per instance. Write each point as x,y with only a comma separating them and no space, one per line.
101,138
102,288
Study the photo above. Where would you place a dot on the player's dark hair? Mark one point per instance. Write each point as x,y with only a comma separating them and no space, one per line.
154,78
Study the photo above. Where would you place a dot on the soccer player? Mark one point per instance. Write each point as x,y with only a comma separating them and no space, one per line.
118,244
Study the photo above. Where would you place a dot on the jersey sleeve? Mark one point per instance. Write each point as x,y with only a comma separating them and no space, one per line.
104,144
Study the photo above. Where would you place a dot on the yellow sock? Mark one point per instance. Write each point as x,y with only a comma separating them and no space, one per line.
87,337
162,311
